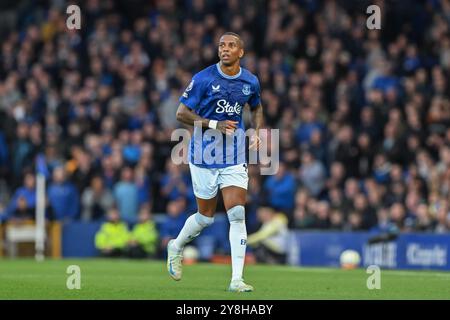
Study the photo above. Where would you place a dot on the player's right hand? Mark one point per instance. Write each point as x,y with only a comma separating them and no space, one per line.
227,126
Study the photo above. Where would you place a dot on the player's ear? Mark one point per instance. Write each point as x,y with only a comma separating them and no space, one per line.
241,53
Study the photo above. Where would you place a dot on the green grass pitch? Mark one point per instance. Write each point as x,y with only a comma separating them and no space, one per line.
103,279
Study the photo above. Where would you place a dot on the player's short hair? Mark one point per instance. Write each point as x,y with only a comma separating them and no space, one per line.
240,41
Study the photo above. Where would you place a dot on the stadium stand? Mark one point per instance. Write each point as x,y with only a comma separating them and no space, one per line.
364,115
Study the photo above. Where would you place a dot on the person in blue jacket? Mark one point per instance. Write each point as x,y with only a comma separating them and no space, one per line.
63,197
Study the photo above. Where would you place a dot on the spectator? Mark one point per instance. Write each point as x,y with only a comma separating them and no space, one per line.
312,174
112,238
368,124
126,196
336,220
289,148
142,182
384,225
337,176
81,168
270,241
168,108
382,167
345,150
22,211
301,217
351,190
22,149
23,202
144,237
367,213
280,190
443,218
96,200
422,220
63,197
317,148
336,200
392,143
108,172
176,216
354,222
309,126
174,183
364,156
397,215
131,146
321,215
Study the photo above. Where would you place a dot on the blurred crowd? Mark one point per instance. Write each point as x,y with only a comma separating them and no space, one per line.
364,115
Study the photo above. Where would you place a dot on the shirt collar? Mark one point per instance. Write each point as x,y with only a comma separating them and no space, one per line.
227,76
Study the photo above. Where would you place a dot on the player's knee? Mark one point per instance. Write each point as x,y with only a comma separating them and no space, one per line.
203,220
209,212
237,213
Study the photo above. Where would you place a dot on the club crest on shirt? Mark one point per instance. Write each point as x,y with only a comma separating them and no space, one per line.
246,89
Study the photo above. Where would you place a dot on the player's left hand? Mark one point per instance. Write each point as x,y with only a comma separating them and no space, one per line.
255,142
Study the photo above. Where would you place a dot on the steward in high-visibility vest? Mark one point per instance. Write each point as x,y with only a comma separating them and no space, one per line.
113,236
144,237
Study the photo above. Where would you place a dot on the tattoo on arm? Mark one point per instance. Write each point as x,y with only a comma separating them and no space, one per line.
187,116
257,117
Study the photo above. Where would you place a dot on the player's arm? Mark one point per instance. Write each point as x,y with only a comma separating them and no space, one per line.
257,122
189,117
258,117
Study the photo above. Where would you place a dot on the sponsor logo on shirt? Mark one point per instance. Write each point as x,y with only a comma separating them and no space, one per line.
215,88
224,106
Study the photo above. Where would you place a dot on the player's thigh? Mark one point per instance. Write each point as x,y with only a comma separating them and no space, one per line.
233,196
207,207
233,182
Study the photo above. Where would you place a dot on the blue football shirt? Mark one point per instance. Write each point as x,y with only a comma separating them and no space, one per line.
216,96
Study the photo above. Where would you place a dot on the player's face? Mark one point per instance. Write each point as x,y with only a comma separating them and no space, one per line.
229,50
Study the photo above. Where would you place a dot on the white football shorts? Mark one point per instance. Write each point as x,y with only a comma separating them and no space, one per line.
207,181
